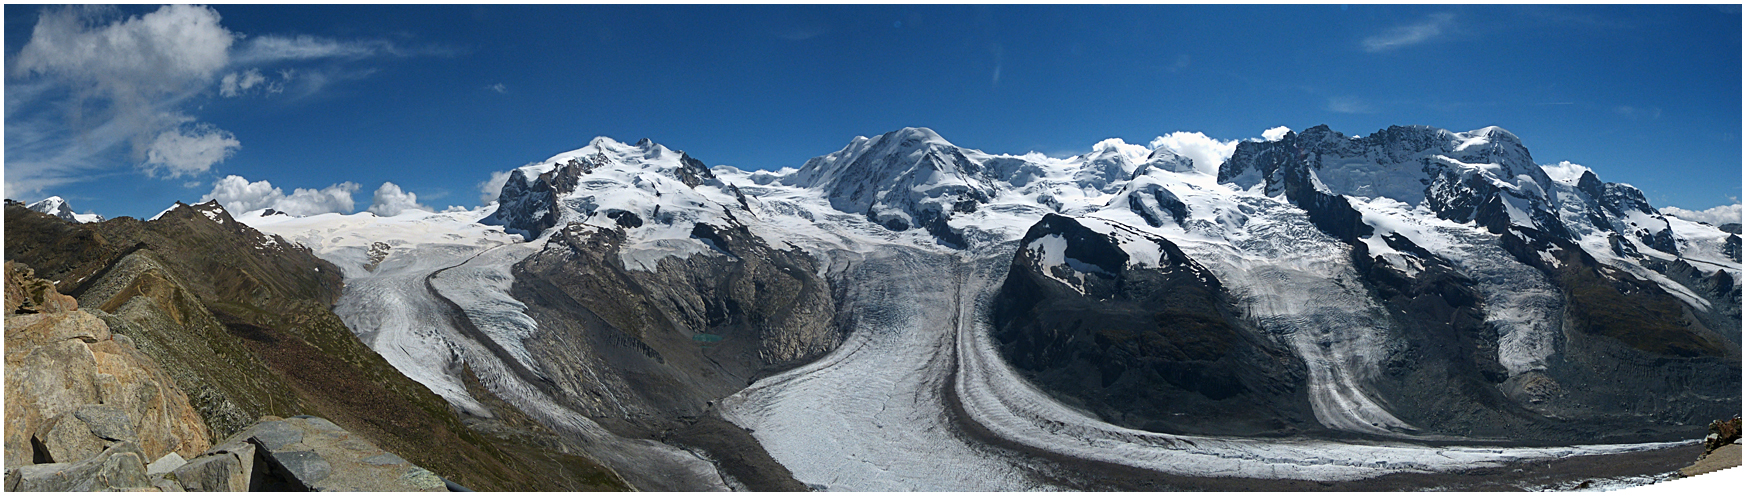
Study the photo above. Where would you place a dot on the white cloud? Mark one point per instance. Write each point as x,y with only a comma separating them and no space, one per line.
237,83
1208,153
1725,214
270,48
390,201
178,152
139,57
239,195
92,93
105,85
492,188
1275,134
1410,34
499,87
1564,171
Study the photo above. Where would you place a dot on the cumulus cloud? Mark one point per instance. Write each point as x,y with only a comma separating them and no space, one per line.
493,187
1275,134
181,152
1410,34
240,195
390,201
1208,153
499,88
1725,214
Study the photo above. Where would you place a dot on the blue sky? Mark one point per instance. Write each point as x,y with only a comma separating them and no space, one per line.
337,100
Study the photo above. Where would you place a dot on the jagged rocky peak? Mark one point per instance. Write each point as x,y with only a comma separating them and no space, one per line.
59,207
211,210
1406,163
1484,175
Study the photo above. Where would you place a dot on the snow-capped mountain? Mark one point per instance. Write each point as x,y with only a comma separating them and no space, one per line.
1127,306
58,207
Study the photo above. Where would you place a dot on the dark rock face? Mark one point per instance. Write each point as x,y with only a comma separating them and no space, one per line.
1631,349
1158,348
1444,375
1152,202
668,343
1625,339
525,207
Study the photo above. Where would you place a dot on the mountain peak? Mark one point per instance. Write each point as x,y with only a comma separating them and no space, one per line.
59,207
917,135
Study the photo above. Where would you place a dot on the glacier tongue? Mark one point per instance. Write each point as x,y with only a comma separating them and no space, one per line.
872,416
885,400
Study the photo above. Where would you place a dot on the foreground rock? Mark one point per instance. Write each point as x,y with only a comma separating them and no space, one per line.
1721,449
301,453
82,400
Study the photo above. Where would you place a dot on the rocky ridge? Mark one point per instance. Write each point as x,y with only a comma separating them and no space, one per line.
81,400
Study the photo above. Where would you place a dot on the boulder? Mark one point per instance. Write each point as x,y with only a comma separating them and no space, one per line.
65,438
120,467
215,472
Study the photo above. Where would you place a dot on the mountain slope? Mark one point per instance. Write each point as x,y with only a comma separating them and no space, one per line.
241,320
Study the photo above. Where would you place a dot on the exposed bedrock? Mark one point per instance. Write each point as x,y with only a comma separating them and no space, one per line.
1157,348
676,339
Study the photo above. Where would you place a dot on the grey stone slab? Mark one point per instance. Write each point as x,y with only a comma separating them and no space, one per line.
385,459
165,464
307,466
275,434
107,422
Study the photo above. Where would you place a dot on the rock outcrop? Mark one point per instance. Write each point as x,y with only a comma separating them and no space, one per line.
75,392
1721,449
